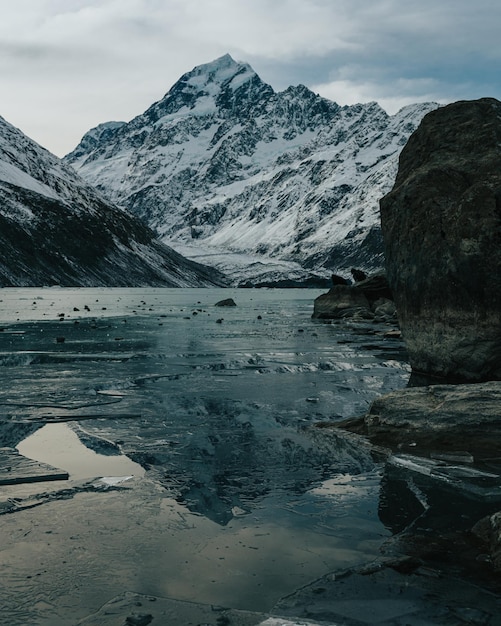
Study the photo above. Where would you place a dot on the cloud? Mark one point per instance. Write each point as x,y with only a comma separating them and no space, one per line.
405,92
67,66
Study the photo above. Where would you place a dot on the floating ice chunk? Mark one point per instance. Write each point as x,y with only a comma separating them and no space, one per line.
453,457
414,463
277,621
438,467
476,482
115,480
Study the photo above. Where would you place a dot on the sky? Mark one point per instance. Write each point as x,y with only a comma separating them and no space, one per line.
69,65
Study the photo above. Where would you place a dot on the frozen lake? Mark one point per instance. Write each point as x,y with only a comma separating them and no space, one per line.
195,472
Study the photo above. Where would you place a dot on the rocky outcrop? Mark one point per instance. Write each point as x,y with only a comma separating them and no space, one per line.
369,299
341,301
441,225
452,418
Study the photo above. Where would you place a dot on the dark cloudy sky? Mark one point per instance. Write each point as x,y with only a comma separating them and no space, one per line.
68,65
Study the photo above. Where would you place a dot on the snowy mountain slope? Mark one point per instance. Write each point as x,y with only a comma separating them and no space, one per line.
224,164
56,229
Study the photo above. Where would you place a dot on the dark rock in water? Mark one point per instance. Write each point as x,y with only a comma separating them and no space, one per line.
368,299
142,619
226,302
465,418
441,225
341,301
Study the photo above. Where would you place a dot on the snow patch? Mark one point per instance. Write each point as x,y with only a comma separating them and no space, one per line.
14,176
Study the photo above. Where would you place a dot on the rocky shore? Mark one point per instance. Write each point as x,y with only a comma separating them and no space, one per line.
368,298
439,438
462,420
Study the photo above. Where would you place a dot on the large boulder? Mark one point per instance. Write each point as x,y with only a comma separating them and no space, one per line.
441,225
341,301
446,418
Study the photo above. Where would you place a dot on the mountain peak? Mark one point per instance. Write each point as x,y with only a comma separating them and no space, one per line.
221,63
210,87
222,71
224,162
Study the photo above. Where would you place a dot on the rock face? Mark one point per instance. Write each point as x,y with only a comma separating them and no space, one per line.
56,229
441,226
224,164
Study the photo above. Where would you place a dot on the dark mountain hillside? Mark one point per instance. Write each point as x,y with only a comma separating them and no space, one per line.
56,229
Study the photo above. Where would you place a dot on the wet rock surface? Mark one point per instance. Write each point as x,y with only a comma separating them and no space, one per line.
441,489
441,225
488,531
367,299
391,591
446,418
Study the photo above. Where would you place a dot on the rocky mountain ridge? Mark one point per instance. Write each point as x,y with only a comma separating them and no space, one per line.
55,229
224,166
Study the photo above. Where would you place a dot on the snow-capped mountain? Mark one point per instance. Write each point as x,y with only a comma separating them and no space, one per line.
57,229
223,166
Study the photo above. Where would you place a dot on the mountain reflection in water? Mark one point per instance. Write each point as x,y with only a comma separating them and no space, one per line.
217,415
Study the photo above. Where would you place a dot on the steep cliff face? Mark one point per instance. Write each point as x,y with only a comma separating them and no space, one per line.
224,164
442,230
56,229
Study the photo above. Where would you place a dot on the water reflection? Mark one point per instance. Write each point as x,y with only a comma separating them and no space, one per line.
59,445
218,414
243,498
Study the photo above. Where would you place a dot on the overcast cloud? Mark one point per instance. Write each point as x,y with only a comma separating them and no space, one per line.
68,65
